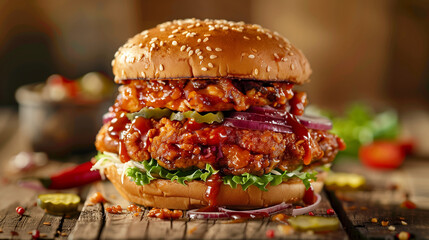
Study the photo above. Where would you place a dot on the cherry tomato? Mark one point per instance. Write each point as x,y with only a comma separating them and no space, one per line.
70,86
382,154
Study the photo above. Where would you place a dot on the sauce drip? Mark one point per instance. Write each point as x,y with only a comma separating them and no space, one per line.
117,125
213,187
309,197
298,103
302,134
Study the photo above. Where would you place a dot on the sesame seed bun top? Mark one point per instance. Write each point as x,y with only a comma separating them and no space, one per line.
210,49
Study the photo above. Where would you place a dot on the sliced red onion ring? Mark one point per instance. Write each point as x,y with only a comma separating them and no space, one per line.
107,117
314,122
269,210
254,125
309,208
194,214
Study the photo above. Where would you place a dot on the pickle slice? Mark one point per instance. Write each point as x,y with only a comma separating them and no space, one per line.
314,223
352,180
59,203
155,113
206,118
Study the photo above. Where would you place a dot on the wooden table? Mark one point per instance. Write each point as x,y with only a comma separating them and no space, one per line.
381,199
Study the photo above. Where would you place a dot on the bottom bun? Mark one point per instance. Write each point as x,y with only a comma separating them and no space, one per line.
162,193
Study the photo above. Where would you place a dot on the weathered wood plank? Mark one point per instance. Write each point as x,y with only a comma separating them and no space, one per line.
196,229
381,200
91,219
68,223
121,226
224,229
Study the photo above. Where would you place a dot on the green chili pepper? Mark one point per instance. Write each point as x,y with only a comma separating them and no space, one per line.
156,113
206,118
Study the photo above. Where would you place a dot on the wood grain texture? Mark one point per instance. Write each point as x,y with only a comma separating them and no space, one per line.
381,199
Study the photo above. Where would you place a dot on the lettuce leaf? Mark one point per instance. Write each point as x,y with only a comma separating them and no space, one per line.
154,171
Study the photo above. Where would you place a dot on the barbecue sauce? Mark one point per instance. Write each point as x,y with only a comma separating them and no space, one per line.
302,134
213,187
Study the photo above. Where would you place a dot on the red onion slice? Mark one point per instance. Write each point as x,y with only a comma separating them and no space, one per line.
314,122
309,208
269,210
194,214
254,125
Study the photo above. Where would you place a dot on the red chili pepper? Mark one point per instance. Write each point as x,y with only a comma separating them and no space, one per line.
311,213
74,177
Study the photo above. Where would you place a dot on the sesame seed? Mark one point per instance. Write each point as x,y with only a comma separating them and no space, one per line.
207,35
197,50
154,39
200,57
175,31
161,43
254,50
268,68
141,45
199,40
191,52
291,54
198,24
225,28
292,66
185,32
246,37
174,43
213,56
251,56
199,53
162,29
142,74
145,36
161,67
187,49
276,56
258,37
209,48
284,59
113,62
190,26
218,49
182,48
206,39
255,71
204,69
280,46
152,45
210,65
171,36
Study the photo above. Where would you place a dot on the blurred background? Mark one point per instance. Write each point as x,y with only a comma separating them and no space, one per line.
375,52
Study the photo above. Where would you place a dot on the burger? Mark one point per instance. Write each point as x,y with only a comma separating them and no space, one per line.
206,115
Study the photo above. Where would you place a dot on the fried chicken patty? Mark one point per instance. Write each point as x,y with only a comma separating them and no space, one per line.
187,144
208,95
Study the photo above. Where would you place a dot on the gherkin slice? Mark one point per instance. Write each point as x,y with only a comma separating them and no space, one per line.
314,223
206,118
59,203
155,113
